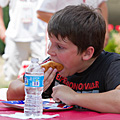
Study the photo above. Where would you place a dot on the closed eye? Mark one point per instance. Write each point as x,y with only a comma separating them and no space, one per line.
60,47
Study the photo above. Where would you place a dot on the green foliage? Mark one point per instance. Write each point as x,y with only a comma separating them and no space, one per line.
2,46
6,15
111,45
114,42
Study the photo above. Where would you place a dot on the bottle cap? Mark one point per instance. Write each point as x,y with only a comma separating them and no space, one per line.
34,60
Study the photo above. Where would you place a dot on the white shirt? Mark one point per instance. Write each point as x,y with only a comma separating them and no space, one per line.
54,5
24,26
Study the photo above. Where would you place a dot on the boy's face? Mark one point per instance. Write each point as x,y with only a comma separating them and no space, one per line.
65,52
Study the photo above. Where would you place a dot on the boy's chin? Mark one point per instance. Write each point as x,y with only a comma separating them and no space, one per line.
63,74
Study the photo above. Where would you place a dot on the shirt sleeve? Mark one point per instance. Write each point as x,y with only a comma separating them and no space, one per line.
113,76
100,1
52,6
4,3
94,3
47,6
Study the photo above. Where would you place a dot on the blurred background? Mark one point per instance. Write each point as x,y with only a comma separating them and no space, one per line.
114,29
3,83
113,12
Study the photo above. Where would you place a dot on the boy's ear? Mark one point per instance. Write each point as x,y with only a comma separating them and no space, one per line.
88,53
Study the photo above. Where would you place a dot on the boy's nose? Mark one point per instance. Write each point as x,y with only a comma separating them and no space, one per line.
51,50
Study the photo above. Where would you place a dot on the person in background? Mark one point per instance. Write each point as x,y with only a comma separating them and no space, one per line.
25,36
47,9
91,77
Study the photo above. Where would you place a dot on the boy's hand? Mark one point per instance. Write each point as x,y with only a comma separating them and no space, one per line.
49,77
63,93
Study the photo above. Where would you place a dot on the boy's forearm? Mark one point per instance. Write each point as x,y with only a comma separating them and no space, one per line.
45,16
1,18
2,25
108,102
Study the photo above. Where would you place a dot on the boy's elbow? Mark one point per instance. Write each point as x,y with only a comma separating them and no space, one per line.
10,93
16,90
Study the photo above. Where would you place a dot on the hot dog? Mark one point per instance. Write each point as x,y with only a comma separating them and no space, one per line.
52,64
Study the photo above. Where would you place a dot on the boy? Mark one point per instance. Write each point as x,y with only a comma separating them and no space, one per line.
91,76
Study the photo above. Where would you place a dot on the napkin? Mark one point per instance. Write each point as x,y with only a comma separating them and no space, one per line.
22,116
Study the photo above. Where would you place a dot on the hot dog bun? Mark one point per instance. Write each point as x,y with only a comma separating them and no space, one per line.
52,64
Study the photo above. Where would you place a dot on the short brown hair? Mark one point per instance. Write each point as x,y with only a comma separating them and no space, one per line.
84,26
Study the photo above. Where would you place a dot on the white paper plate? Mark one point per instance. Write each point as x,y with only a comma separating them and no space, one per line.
48,105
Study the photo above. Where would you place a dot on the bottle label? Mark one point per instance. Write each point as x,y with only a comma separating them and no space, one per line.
34,81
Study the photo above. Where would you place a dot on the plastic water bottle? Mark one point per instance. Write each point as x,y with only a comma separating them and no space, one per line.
34,77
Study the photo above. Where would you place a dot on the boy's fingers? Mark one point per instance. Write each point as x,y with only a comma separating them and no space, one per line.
49,77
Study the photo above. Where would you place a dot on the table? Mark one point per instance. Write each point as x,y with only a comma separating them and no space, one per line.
64,115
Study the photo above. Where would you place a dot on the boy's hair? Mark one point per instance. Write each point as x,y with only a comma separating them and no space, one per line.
84,26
